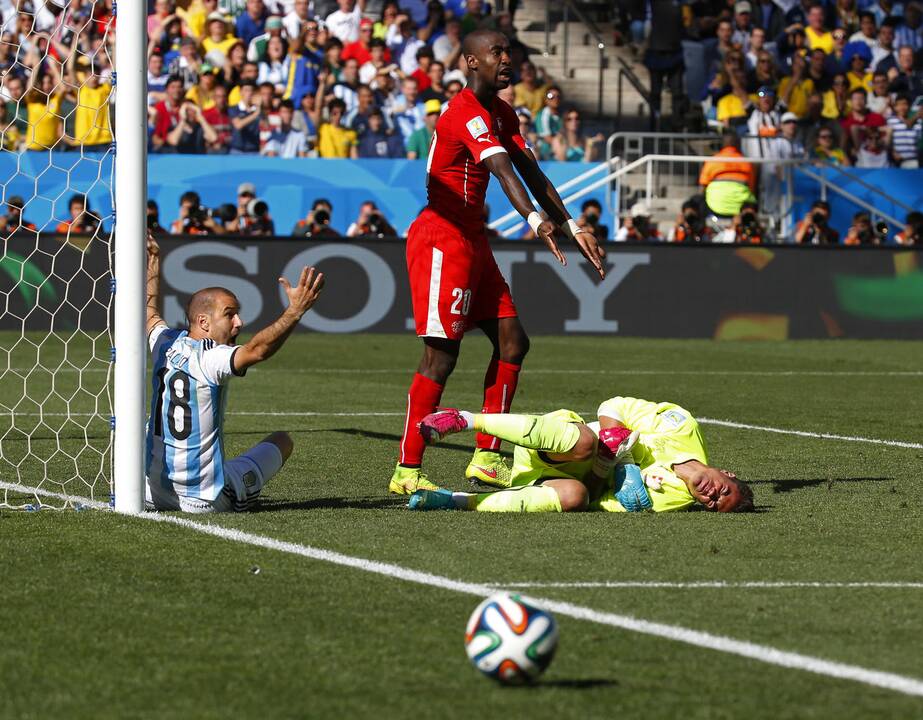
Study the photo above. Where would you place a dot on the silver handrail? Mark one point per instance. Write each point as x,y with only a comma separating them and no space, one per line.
570,7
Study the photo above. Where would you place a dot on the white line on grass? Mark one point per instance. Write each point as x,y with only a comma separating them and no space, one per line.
753,651
805,433
718,584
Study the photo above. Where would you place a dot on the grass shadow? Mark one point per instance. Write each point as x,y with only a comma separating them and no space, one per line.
331,503
785,486
573,684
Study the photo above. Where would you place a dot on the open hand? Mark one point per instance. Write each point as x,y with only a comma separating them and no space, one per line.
303,295
545,232
591,249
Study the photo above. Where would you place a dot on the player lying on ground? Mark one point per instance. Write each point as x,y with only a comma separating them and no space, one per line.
640,455
455,283
186,468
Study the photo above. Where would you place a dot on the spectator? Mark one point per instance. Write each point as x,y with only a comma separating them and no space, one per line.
361,49
344,23
859,119
333,57
473,17
43,105
404,47
817,70
756,45
873,152
905,134
910,32
847,17
303,121
347,89
690,226
912,234
153,220
452,88
379,142
571,144
818,36
664,58
436,89
203,92
334,140
92,132
742,24
728,185
795,89
904,79
764,123
167,113
370,222
747,229
884,54
258,48
386,27
590,212
358,118
419,141
447,47
857,58
548,122
14,221
880,99
424,61
219,40
861,232
251,22
245,121
836,99
303,69
814,228
156,79
297,18
826,150
734,108
867,33
764,74
408,112
217,116
191,133
83,221
526,131
312,45
529,91
273,68
286,141
163,9
637,226
186,63
249,73
835,61
376,65
317,222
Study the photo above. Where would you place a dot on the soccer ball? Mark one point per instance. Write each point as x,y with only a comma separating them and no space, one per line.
510,640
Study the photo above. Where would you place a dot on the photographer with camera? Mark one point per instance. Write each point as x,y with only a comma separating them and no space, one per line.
691,226
153,220
253,218
861,231
637,225
370,222
194,218
590,213
814,230
747,228
912,234
317,223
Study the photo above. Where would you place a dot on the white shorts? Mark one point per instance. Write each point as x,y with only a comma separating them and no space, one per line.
244,479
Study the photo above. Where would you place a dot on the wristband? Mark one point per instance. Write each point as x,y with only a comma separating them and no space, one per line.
534,221
603,461
572,228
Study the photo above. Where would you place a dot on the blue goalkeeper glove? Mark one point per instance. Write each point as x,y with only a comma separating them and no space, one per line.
630,490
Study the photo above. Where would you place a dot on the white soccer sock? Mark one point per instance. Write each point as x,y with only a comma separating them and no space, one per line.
469,418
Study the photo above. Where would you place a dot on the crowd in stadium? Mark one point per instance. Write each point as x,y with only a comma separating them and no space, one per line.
839,81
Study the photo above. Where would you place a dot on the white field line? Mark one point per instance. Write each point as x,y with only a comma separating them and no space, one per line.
535,371
753,651
702,420
710,584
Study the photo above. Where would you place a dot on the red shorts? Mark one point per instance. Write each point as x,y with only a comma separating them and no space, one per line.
454,279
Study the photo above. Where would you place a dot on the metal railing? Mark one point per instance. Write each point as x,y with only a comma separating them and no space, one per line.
569,6
626,73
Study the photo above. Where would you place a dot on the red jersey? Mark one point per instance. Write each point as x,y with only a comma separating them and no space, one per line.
466,134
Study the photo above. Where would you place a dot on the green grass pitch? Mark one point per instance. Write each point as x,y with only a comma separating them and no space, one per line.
108,616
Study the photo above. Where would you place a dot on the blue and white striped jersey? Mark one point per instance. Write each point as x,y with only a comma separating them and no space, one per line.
185,442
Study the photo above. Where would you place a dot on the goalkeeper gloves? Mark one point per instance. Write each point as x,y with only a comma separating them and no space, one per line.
630,490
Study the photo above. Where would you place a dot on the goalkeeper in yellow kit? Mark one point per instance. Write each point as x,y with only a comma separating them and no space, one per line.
640,455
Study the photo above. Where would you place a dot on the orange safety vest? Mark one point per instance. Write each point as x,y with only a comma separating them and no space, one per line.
741,172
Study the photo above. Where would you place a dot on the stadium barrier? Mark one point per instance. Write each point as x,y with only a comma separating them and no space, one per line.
685,291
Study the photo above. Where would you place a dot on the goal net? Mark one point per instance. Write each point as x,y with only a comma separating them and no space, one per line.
57,270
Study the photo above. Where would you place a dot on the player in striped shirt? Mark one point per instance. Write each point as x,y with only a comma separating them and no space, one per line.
185,455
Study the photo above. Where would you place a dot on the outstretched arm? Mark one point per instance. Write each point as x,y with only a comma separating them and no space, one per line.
267,341
501,168
550,201
153,285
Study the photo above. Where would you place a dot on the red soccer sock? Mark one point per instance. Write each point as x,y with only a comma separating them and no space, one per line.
499,388
422,399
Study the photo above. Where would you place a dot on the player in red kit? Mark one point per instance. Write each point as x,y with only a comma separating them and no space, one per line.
454,280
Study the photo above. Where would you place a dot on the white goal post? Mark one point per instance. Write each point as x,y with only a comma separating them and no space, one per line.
130,195
73,189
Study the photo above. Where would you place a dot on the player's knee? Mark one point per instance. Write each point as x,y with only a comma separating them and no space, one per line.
437,364
514,346
586,445
573,496
283,441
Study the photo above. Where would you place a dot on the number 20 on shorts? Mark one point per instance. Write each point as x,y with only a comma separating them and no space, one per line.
462,301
